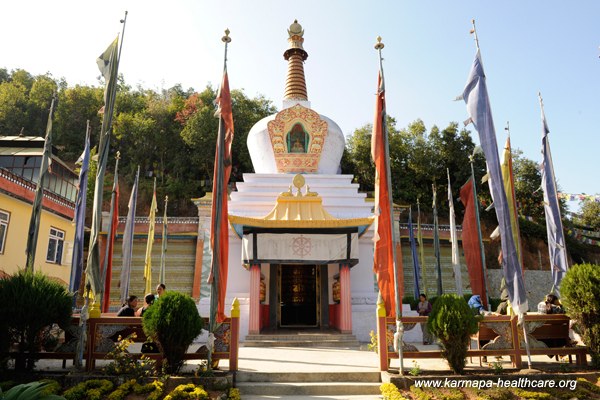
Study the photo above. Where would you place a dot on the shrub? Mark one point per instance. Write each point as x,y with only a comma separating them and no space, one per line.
173,322
189,391
93,389
452,321
31,391
580,291
28,304
124,363
389,391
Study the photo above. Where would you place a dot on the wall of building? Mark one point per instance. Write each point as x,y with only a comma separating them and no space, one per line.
14,257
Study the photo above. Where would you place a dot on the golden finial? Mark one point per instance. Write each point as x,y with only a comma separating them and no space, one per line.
226,38
295,29
379,45
118,156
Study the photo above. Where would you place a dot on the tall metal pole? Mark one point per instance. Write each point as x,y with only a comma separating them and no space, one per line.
217,196
399,327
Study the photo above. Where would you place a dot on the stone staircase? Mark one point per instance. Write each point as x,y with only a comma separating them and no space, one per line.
305,384
302,339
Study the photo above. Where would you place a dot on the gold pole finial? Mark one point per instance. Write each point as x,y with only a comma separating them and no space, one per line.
379,45
226,38
118,156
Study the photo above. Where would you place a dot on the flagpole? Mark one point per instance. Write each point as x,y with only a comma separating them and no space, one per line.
415,256
127,246
514,200
218,198
36,208
436,243
558,254
399,327
80,206
163,253
474,32
421,249
124,22
109,240
455,257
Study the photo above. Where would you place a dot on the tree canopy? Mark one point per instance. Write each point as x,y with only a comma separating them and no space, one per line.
170,134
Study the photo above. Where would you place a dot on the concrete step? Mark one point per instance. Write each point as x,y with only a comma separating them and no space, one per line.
268,377
307,389
302,336
304,339
353,344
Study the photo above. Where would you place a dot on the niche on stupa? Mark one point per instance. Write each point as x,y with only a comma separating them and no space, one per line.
297,136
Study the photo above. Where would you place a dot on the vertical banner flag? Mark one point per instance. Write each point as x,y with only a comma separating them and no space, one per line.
454,240
219,236
111,234
163,251
108,63
128,241
421,248
436,244
470,241
476,97
509,187
150,242
415,255
556,235
36,209
383,264
80,202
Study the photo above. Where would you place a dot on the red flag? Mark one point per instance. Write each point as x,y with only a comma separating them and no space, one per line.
383,263
470,241
111,241
219,237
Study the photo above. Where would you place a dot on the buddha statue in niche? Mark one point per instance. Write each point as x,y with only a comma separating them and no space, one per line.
297,139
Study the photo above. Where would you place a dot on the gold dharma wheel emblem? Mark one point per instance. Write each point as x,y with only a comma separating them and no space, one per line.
298,181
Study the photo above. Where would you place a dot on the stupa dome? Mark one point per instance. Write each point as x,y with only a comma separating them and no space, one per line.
297,139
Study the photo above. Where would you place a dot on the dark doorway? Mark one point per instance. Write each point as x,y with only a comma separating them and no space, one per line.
298,294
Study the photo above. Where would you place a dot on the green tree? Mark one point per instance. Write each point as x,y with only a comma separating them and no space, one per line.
76,106
200,128
38,105
417,160
589,214
13,107
580,290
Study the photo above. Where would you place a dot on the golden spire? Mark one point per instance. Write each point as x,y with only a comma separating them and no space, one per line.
295,55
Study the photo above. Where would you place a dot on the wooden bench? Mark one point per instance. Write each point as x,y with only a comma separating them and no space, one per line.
102,334
553,327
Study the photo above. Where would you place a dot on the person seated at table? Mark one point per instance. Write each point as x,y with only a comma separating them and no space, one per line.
551,305
128,310
476,305
148,301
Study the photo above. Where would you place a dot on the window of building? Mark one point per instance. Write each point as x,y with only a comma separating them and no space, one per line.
4,220
55,246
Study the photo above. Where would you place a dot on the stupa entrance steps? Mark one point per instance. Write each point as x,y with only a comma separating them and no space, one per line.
302,338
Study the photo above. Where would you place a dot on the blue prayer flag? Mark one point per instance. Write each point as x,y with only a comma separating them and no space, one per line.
556,237
478,106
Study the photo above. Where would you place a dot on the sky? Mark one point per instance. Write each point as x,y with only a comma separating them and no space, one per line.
546,46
